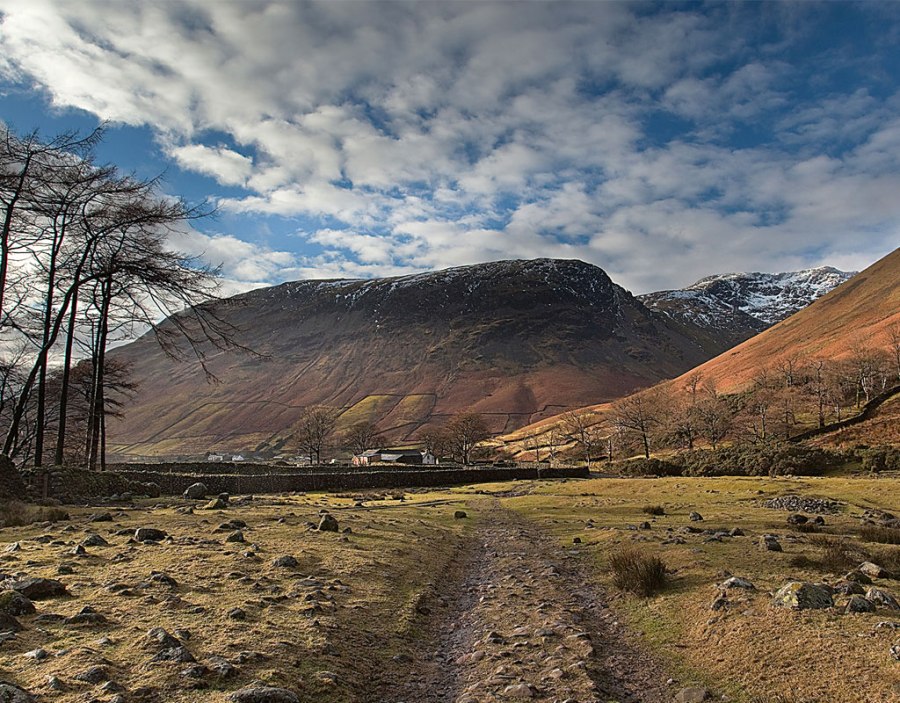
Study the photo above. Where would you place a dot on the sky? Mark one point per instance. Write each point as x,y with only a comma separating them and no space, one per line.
663,142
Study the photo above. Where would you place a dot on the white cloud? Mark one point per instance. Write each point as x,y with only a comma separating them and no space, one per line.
659,144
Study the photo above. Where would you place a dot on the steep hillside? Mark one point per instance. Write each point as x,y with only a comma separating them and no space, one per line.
740,305
856,314
515,340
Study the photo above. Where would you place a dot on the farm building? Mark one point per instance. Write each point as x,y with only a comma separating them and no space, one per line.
394,456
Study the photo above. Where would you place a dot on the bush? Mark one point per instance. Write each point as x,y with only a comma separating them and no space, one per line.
16,514
884,458
637,572
880,534
654,510
837,555
652,467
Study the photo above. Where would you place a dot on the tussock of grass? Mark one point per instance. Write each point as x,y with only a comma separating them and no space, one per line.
654,510
14,513
880,534
636,572
837,557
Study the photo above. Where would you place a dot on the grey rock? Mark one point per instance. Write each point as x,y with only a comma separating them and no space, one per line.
286,562
873,570
460,514
14,694
849,588
737,582
802,596
95,675
149,534
263,694
695,516
882,599
196,491
797,519
37,588
8,623
692,694
94,540
328,524
770,543
858,604
236,536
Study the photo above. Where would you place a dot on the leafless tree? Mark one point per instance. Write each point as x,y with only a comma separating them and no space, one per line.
894,346
314,431
642,414
587,430
465,431
362,436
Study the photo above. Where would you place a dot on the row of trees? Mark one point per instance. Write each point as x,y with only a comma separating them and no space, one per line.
316,432
84,262
789,396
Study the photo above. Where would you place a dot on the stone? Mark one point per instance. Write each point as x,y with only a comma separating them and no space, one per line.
101,517
178,654
576,540
736,532
221,667
263,694
14,603
719,602
196,491
159,638
95,675
328,524
737,582
149,534
797,519
8,623
692,694
518,690
237,614
849,588
873,570
38,654
695,516
882,599
236,536
286,562
858,604
14,694
645,526
14,547
460,515
94,540
37,588
895,652
216,504
770,543
858,577
802,596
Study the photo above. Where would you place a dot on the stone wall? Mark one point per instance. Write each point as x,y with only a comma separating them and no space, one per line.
11,484
172,483
71,484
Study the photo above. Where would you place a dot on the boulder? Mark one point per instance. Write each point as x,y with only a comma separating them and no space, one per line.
797,519
236,536
460,515
8,623
882,599
770,543
328,524
37,588
692,694
14,603
858,604
216,504
849,588
695,516
737,582
858,577
14,694
94,540
803,596
196,491
149,534
263,694
873,570
286,562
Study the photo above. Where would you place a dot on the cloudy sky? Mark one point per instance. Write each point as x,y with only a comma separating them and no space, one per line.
663,142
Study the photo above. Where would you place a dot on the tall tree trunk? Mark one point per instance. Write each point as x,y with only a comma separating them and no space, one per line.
59,456
99,405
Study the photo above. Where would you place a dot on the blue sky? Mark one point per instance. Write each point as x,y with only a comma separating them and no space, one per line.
663,142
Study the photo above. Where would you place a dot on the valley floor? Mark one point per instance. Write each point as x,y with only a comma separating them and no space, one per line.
409,603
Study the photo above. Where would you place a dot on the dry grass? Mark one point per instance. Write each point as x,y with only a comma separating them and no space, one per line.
637,572
14,513
880,534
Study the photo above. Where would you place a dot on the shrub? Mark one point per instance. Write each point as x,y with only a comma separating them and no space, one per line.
652,467
637,572
654,510
880,534
883,458
16,514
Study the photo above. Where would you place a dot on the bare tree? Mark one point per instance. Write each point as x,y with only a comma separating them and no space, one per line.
362,436
894,346
465,431
642,414
314,430
587,430
436,441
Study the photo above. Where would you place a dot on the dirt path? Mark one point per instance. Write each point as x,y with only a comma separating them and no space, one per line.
515,619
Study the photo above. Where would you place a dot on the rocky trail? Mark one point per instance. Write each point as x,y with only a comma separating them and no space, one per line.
514,620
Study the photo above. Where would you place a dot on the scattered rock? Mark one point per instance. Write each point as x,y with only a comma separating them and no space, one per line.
802,596
858,604
36,589
695,516
770,543
94,540
460,515
101,517
797,504
236,536
882,599
237,614
858,577
286,562
797,519
737,582
8,623
849,588
263,694
14,547
328,524
14,603
873,570
692,694
95,675
736,532
149,534
196,491
519,690
14,694
576,540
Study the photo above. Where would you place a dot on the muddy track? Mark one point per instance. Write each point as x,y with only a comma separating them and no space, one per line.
514,618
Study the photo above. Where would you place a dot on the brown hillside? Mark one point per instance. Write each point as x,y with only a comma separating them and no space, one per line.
858,312
514,340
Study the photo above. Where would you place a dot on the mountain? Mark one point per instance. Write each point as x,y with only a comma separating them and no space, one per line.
857,314
513,340
740,305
